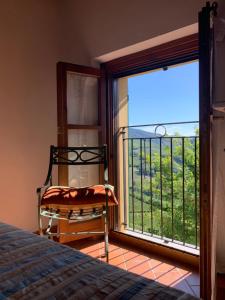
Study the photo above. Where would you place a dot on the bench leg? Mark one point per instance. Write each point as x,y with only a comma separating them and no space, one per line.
106,238
40,223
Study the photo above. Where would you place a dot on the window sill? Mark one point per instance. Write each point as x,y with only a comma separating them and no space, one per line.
150,245
164,242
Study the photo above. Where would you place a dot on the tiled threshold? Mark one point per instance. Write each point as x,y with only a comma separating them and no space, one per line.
164,242
151,266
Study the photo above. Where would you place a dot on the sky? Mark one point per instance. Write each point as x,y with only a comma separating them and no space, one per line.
164,96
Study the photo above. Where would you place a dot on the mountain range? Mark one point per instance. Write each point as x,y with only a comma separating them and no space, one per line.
139,133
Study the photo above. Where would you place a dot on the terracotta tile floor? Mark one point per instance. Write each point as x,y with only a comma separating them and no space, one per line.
150,266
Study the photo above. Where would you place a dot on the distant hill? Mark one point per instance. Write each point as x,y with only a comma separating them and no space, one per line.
138,133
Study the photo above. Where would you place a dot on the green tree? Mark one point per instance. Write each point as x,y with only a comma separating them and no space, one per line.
166,187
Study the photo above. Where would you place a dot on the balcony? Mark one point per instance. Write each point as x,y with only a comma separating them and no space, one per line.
161,183
143,263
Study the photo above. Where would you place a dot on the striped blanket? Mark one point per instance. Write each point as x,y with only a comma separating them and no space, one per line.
32,267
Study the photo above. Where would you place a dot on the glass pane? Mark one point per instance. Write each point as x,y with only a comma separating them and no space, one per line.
82,99
80,176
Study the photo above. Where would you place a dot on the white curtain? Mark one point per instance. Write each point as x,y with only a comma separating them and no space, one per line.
82,109
81,176
82,99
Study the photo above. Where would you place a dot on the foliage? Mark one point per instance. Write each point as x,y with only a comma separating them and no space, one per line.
164,185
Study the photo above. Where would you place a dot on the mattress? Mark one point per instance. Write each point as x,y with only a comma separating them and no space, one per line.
33,267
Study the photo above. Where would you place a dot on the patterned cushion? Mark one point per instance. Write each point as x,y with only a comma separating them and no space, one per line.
77,196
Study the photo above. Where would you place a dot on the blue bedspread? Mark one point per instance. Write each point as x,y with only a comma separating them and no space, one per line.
32,267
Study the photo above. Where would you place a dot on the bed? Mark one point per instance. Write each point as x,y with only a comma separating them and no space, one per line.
33,267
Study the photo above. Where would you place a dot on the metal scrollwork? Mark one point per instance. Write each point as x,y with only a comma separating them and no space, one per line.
160,126
81,155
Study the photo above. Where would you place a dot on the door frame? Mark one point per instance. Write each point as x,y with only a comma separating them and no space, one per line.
178,51
171,53
205,121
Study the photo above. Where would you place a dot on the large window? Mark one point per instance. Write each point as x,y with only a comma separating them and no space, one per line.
158,121
121,72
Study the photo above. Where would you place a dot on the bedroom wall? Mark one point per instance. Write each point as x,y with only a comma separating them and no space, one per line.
99,27
29,49
35,34
28,54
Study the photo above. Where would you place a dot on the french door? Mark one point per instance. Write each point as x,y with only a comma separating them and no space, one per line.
206,118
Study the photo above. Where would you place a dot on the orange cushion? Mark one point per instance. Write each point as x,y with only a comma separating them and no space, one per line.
77,196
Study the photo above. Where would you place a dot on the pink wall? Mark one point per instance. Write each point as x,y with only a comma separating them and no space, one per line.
35,34
29,50
102,26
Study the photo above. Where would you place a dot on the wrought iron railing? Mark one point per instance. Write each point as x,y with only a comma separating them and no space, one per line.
161,181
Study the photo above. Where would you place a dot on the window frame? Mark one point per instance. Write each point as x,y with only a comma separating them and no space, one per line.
178,51
174,52
62,123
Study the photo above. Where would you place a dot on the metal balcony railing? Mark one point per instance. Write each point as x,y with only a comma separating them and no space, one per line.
161,181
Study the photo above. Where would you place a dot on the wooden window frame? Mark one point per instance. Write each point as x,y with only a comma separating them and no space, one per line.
175,52
205,121
63,125
171,53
